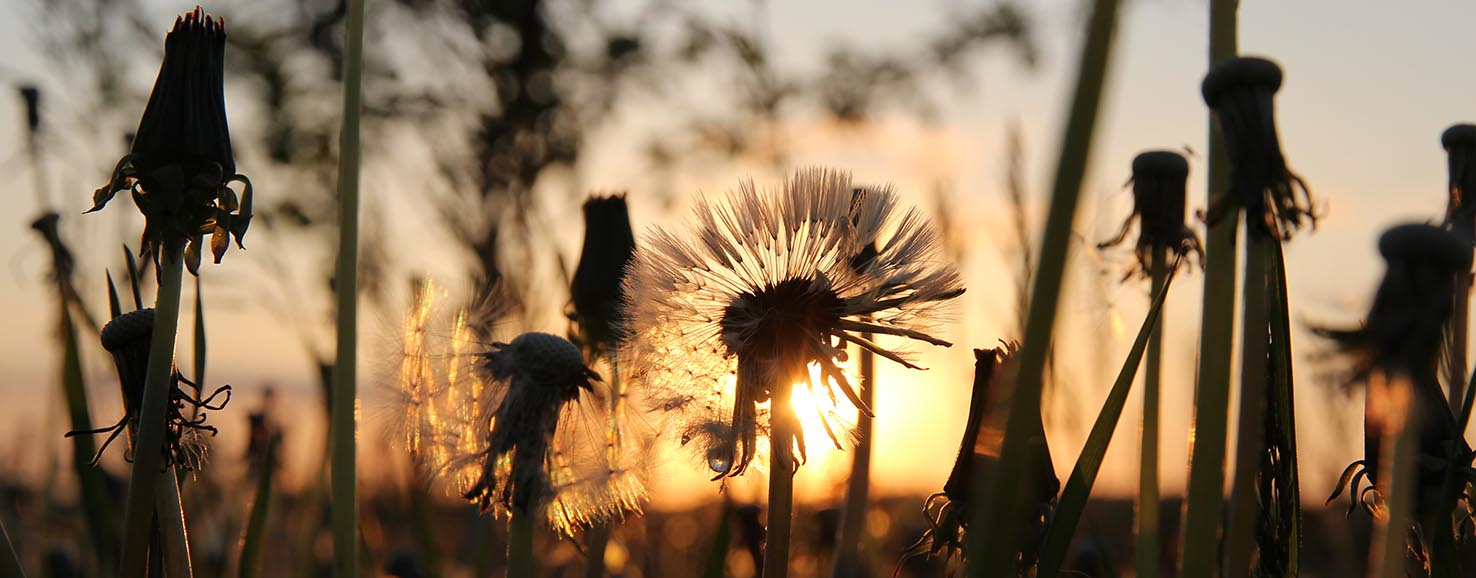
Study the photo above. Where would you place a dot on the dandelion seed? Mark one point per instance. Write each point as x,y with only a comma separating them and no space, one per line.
128,339
180,166
1400,343
1241,91
1158,183
519,427
765,286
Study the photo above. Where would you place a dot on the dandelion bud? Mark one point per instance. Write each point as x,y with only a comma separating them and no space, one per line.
595,289
181,163
1240,91
128,339
1158,181
32,96
1460,149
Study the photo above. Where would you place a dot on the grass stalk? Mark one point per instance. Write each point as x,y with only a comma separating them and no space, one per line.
255,532
100,520
1204,499
994,554
520,544
782,431
1282,405
858,487
138,513
343,421
10,565
176,543
1149,541
1079,486
1250,445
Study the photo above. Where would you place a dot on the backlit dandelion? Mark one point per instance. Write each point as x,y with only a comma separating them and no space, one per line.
517,428
765,286
1158,183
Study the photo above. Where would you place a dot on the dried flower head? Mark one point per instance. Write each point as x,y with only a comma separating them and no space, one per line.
522,426
128,338
180,166
1158,183
1460,150
1400,342
595,289
765,294
978,453
1241,92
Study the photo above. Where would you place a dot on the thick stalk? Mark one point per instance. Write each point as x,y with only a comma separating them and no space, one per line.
994,553
1217,326
1148,539
172,526
1250,444
138,513
858,488
520,544
781,482
343,424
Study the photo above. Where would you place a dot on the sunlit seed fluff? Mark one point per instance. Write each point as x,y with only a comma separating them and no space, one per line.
1241,93
1158,181
766,287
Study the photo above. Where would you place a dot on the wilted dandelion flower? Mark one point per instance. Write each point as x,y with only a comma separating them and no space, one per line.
518,427
1158,183
1460,149
766,287
180,166
128,339
595,289
1241,92
1400,342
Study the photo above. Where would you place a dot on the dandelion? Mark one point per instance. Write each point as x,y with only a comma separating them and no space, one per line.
595,289
1460,148
1158,182
1277,202
180,166
127,339
518,429
767,287
1399,344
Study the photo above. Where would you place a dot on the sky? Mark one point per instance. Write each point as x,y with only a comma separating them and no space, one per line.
1369,86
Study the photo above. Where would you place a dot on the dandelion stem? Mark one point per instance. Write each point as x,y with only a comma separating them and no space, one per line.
520,544
781,481
343,425
995,553
255,531
176,543
1250,445
1148,539
1217,324
1401,443
10,566
1456,333
858,488
138,514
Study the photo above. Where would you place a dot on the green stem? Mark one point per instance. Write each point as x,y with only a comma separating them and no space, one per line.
344,418
138,513
520,544
1217,326
782,431
993,554
1084,474
1250,444
176,545
1282,403
858,487
10,566
1148,538
256,523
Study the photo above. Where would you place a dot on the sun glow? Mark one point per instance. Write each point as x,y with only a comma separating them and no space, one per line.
824,418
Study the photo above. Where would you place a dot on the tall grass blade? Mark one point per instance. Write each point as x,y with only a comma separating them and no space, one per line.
994,554
133,276
1204,500
199,335
174,536
1079,486
254,535
101,523
343,425
1281,434
115,307
10,566
139,511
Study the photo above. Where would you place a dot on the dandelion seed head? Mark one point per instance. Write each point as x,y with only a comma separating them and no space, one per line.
766,284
